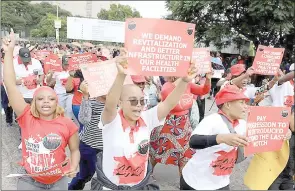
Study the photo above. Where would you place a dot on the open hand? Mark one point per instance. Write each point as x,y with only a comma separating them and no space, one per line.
232,140
191,73
8,43
84,87
288,135
71,173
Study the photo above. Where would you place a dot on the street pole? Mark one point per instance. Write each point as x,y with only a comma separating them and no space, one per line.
57,29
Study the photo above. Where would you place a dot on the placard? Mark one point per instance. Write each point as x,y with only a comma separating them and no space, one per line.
52,62
76,60
202,59
95,29
266,127
267,60
100,77
158,47
41,54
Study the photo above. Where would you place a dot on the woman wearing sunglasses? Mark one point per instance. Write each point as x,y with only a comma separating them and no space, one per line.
124,162
169,143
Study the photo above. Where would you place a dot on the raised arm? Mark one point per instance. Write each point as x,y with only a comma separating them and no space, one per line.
112,99
16,100
202,89
286,77
239,79
85,112
173,98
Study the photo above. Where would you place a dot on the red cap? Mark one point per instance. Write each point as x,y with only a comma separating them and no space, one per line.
229,93
138,79
237,69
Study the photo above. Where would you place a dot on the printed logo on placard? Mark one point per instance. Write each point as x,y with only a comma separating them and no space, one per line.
284,113
131,25
143,147
190,30
52,141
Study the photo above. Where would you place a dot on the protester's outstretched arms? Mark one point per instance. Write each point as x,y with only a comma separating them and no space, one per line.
205,141
202,89
239,79
112,99
16,100
286,77
173,98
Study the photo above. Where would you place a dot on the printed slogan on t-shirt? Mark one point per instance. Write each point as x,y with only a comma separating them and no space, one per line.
158,47
266,129
267,60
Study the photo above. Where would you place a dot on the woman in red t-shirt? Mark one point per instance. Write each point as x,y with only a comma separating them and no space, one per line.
170,143
45,133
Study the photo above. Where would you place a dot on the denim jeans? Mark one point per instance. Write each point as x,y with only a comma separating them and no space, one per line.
76,110
28,183
87,167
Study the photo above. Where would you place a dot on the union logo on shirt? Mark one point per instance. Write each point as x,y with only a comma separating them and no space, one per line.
224,163
289,101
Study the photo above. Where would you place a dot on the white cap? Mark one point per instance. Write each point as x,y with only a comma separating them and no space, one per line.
291,67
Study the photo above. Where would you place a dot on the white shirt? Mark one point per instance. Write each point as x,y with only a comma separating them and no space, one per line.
279,94
119,151
199,172
249,91
21,72
59,88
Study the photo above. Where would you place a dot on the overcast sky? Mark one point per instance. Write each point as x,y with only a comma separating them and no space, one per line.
148,9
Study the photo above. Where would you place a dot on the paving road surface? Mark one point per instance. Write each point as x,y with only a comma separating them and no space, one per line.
167,176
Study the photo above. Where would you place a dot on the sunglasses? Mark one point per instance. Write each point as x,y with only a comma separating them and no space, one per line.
134,102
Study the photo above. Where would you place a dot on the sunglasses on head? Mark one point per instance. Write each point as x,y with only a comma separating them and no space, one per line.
134,102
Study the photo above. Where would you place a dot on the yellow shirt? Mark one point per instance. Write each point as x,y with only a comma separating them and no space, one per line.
266,167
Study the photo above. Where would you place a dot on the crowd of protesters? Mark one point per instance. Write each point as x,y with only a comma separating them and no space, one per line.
123,135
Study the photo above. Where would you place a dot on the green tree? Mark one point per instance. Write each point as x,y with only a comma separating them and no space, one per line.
118,12
13,15
24,16
45,28
263,22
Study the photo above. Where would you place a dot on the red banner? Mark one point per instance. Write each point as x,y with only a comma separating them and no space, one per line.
41,54
100,77
76,60
267,60
52,62
202,59
158,47
266,128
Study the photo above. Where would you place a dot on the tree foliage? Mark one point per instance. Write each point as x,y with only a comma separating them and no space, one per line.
45,28
118,12
267,22
25,16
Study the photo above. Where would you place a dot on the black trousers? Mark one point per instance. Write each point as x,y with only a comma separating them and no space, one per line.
282,183
201,105
185,186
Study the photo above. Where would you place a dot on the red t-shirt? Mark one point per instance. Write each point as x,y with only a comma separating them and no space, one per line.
77,98
43,145
186,100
